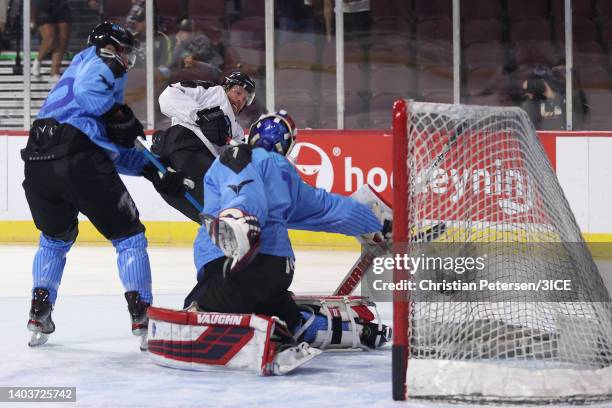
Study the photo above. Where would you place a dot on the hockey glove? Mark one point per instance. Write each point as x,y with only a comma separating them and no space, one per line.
381,211
236,234
214,125
122,127
172,183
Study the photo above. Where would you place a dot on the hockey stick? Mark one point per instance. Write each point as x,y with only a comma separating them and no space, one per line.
140,144
368,254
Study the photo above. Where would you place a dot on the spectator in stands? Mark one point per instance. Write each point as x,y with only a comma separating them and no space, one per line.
193,46
357,18
544,104
193,55
295,18
53,21
162,43
135,18
3,7
97,5
3,10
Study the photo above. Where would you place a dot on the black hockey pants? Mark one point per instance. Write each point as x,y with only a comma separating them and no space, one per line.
68,174
182,150
261,287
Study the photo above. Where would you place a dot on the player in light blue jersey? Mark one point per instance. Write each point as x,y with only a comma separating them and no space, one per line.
242,252
82,138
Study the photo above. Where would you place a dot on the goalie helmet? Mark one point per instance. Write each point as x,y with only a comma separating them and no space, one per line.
123,40
275,132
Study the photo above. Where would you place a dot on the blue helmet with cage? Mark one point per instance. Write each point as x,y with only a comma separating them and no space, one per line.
275,132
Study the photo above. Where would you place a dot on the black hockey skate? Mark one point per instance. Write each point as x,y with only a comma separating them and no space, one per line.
374,335
138,314
40,322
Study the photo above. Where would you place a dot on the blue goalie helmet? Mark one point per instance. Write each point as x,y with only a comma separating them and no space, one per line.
275,132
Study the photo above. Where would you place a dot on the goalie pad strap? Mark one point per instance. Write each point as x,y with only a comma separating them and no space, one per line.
336,329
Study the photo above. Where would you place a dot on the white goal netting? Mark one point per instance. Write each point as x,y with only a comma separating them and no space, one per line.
481,176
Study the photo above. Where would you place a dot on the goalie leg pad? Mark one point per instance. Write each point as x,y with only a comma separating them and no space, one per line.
341,322
195,340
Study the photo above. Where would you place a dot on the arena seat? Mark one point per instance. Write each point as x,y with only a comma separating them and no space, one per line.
427,9
252,8
594,77
435,79
534,53
533,29
491,54
480,10
478,31
604,9
390,8
206,9
599,103
299,54
391,78
579,8
520,9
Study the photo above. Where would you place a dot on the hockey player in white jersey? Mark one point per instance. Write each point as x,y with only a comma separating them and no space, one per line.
203,124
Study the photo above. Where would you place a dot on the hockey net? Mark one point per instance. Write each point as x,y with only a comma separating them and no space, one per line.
483,172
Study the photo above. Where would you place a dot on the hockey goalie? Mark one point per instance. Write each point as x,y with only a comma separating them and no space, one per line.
241,313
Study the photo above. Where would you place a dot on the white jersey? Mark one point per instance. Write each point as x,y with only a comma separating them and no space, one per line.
182,104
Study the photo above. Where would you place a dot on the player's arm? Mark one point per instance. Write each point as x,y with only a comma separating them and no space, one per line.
94,87
317,210
94,91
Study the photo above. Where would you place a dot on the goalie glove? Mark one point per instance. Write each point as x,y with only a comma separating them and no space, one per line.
381,211
236,234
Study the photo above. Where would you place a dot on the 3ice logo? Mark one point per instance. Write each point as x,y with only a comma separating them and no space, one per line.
312,161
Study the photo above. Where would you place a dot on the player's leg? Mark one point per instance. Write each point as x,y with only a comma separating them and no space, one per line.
182,150
273,277
56,218
261,287
99,193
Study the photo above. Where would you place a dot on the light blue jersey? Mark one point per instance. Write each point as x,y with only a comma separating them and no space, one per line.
86,90
269,187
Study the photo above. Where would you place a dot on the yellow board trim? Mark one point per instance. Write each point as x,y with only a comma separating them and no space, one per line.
169,233
181,233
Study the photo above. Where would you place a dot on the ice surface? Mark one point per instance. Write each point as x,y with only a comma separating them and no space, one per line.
94,351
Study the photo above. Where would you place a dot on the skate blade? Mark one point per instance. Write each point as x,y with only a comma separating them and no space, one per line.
38,339
144,342
293,357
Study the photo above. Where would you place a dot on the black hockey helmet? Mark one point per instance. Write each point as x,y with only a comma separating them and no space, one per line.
241,79
118,36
